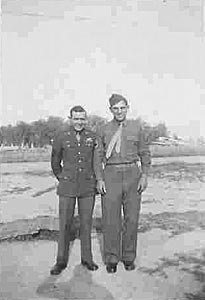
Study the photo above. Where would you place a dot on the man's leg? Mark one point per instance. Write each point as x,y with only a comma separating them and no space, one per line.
85,208
111,213
131,209
66,212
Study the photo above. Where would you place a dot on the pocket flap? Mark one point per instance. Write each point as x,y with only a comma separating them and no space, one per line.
132,138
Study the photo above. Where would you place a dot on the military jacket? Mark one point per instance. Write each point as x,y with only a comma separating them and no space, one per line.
134,144
76,164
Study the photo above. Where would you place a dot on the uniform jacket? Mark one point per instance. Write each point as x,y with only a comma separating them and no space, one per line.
77,165
134,144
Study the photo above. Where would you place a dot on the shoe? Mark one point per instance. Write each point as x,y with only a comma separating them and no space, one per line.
90,266
111,268
129,265
57,269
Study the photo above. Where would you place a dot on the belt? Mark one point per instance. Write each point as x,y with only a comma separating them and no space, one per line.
122,164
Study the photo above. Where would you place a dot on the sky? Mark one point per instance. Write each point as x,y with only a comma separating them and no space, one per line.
56,54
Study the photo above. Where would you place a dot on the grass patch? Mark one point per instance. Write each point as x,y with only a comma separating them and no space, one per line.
177,171
40,154
175,223
49,189
192,263
18,190
175,151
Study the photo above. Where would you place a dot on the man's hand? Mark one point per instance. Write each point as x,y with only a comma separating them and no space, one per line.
101,187
142,184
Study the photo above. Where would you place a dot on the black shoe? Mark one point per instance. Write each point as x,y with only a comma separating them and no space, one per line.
129,265
90,266
57,269
111,267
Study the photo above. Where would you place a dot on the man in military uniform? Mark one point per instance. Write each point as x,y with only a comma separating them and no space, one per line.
75,161
127,160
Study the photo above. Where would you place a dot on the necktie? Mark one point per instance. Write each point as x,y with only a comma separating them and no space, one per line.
115,142
78,136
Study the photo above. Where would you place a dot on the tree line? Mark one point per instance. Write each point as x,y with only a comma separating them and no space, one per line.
41,132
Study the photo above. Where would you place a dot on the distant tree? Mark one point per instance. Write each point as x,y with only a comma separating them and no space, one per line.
159,130
53,125
43,130
3,135
7,135
94,121
153,132
22,134
40,133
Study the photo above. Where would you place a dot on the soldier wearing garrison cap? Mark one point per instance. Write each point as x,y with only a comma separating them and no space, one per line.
127,160
115,98
76,163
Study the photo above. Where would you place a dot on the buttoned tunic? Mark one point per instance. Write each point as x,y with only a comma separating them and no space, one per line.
76,164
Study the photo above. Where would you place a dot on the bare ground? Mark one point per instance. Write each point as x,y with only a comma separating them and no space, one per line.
171,229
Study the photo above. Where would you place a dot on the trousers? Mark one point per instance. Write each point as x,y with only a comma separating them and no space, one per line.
120,238
66,213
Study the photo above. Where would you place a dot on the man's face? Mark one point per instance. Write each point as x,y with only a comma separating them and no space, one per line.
78,120
119,111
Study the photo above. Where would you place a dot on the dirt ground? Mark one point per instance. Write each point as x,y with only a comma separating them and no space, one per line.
171,248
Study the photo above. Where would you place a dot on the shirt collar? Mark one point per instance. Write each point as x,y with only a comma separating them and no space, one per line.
72,129
124,123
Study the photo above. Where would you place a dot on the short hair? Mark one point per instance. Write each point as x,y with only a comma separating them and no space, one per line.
115,98
77,108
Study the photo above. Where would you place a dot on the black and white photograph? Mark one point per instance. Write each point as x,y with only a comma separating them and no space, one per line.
102,149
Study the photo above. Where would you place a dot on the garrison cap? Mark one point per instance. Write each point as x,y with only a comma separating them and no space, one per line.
115,98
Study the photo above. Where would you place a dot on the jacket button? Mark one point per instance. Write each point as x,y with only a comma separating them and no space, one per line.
79,169
79,152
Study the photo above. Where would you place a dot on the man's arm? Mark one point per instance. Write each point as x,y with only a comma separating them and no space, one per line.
144,151
98,163
56,156
98,158
145,157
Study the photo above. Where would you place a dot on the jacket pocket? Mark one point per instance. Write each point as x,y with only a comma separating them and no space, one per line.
132,144
64,176
132,138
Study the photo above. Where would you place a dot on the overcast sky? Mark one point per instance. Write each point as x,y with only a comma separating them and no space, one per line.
60,53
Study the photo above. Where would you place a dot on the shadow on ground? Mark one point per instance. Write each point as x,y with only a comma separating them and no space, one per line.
80,286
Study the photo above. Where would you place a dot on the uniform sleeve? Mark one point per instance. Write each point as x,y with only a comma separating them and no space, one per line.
56,155
101,136
98,158
144,151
